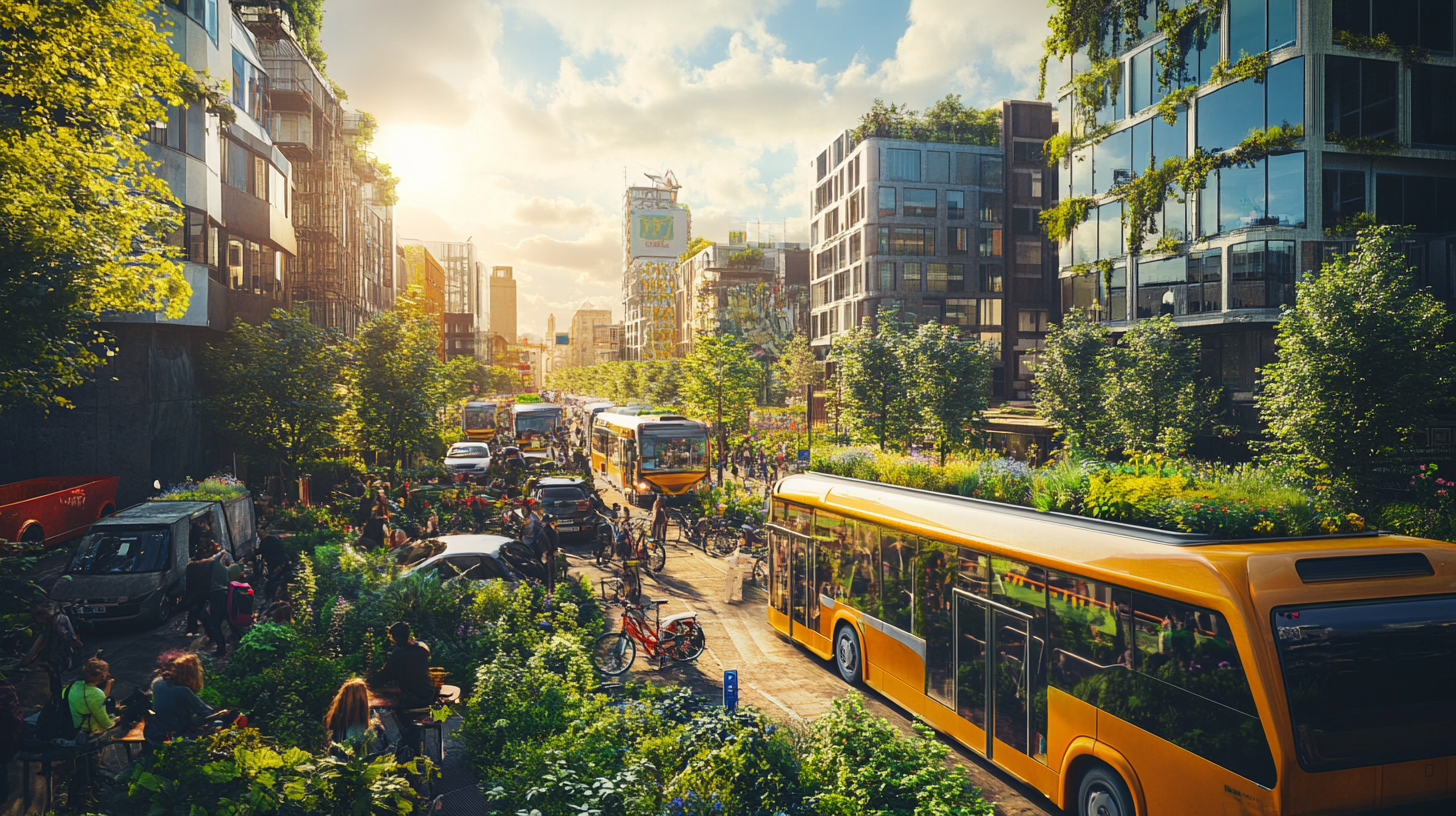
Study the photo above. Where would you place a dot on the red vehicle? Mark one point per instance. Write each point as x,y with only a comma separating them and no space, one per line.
55,508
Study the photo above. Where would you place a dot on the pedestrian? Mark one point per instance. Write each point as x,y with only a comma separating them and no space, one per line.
533,522
87,700
177,711
348,719
376,532
217,598
196,586
275,564
408,668
57,644
659,519
547,545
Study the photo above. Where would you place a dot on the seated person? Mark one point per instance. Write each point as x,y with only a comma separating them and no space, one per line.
88,700
177,711
348,718
407,668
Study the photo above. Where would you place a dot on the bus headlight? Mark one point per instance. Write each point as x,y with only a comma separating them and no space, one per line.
641,485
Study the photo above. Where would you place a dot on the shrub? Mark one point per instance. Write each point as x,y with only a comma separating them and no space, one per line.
1131,498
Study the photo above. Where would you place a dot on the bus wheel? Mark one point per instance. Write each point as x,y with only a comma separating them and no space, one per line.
1103,793
847,654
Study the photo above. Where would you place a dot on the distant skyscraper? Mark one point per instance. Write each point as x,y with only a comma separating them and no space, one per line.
503,302
655,231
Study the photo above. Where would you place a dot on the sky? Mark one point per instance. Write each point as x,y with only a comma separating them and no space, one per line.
514,124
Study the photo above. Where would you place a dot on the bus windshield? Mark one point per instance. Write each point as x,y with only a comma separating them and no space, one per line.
534,423
669,453
479,417
113,551
1368,683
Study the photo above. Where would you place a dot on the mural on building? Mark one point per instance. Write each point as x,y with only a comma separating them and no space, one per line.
656,279
755,313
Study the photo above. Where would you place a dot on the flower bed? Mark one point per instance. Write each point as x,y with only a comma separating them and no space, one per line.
1222,501
213,488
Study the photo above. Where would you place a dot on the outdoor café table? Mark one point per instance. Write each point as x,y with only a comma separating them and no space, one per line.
447,695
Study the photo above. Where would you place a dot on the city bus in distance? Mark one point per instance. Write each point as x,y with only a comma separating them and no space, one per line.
533,424
478,421
1123,670
648,454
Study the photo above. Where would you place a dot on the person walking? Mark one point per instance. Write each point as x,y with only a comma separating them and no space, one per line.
57,644
217,592
534,522
659,519
547,545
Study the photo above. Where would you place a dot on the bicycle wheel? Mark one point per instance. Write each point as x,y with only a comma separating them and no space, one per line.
723,542
613,654
683,640
760,573
603,553
656,556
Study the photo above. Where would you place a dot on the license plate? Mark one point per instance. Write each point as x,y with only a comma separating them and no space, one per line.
93,610
567,528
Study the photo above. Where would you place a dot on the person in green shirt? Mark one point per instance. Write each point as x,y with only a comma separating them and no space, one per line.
88,702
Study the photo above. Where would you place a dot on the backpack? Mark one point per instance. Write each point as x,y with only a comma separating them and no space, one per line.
240,605
55,721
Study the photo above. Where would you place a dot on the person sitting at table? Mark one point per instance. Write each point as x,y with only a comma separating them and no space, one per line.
348,719
88,700
177,711
407,668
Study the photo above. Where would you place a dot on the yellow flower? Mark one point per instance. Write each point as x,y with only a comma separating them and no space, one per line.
1330,525
1357,524
1264,526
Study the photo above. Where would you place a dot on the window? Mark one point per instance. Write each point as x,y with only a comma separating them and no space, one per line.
897,573
930,312
1432,120
991,171
1286,190
203,12
1284,92
990,312
883,244
239,165
1079,292
1031,321
887,201
902,165
1026,153
937,565
956,241
993,207
911,278
920,203
1180,286
1028,252
197,236
1117,294
887,277
1256,26
937,166
1261,274
857,584
993,278
990,243
1025,221
1424,23
1361,97
1227,115
1109,230
854,247
961,312
936,277
1425,202
955,205
1140,81
1269,193
912,241
966,168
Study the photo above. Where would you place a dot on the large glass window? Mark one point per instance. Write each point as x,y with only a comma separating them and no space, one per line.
920,203
992,169
239,170
1140,81
887,201
993,207
991,243
1424,23
1361,97
1113,164
1241,196
901,164
1226,116
912,241
1169,141
1180,286
113,550
1344,196
1425,202
937,166
955,204
993,277
1369,683
1433,122
1285,205
936,275
961,312
1081,173
966,168
910,279
1284,86
897,579
1246,28
936,568
1261,274
1109,230
887,277
957,241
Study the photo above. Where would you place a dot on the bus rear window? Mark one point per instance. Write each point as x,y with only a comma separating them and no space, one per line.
1369,683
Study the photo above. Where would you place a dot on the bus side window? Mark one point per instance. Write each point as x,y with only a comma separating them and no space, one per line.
935,580
829,534
1087,637
897,578
800,519
861,565
1190,647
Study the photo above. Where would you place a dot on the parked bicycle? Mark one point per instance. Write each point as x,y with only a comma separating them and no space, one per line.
678,638
631,536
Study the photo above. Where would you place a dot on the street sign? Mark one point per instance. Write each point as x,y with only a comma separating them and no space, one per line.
804,455
730,690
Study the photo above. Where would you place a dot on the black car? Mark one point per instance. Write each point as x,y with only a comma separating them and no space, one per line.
569,500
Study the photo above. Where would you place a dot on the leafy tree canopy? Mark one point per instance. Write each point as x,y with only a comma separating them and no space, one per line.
875,387
951,384
798,368
948,120
83,221
396,384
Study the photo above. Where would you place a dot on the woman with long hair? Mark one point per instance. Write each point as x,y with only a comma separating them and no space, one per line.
178,710
348,717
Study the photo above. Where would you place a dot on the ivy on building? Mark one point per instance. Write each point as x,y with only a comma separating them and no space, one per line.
1409,55
385,181
1370,146
1058,222
201,87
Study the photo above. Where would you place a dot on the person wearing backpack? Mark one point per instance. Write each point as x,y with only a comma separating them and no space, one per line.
87,700
57,644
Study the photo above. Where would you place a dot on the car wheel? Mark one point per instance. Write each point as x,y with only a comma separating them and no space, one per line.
847,654
1103,793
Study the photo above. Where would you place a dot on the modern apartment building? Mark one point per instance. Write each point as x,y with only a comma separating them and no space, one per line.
918,225
608,341
423,270
502,303
582,351
655,231
345,267
742,288
459,335
1378,139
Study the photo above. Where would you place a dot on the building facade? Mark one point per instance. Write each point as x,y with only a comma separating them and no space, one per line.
503,302
1029,290
608,341
918,226
1374,142
459,335
582,351
740,288
424,271
656,230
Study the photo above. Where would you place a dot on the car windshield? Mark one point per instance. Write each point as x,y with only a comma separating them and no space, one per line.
462,451
112,551
534,423
563,494
674,453
1369,683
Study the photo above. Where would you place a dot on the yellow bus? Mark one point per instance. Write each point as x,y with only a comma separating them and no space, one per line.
478,421
648,454
533,424
1126,671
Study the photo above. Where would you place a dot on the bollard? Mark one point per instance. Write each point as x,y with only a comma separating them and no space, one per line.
730,690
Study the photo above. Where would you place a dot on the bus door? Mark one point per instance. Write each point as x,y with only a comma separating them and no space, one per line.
992,671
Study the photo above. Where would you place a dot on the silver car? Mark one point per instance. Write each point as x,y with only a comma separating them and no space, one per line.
468,459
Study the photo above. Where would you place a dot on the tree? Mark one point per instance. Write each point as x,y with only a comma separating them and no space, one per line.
1151,396
1363,363
874,385
798,368
1069,380
720,379
694,247
951,383
83,219
396,385
275,390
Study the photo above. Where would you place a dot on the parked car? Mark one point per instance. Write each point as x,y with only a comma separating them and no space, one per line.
130,566
480,558
569,500
467,460
55,509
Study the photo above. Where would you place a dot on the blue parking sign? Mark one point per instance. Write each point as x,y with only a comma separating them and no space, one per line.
730,690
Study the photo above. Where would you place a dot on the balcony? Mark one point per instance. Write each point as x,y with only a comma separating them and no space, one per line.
293,134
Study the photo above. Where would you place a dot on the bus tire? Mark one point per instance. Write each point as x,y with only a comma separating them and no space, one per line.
1103,793
848,656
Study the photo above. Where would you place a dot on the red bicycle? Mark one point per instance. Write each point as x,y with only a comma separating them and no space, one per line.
677,638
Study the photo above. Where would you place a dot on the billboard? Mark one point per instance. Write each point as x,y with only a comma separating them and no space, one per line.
659,233
563,339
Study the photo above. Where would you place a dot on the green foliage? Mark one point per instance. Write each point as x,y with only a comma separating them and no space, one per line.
274,390
951,381
1352,225
84,221
1069,379
878,405
308,24
1057,222
797,368
698,244
1174,100
1093,87
720,380
1410,55
657,382
1364,361
1367,145
529,399
1249,66
1131,498
858,765
1151,396
395,383
945,121
216,488
751,256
